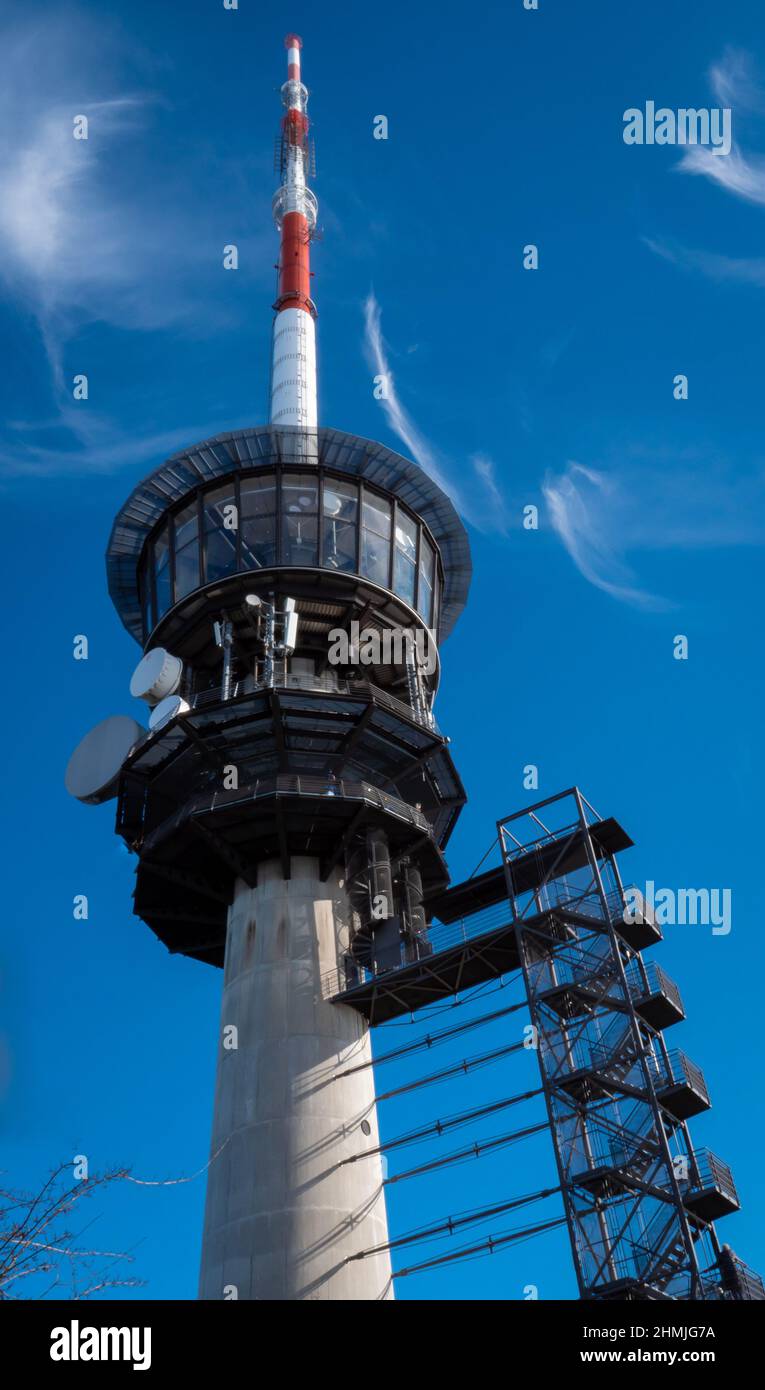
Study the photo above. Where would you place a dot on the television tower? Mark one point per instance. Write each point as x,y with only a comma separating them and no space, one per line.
289,806
291,799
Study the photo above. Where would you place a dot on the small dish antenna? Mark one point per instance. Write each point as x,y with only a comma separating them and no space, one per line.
169,708
157,675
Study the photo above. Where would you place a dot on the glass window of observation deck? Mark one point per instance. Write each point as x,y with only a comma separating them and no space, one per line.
258,521
427,576
221,525
163,588
340,507
405,555
187,551
144,589
300,503
375,538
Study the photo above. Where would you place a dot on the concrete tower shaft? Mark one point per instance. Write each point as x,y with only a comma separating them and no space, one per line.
287,1205
293,355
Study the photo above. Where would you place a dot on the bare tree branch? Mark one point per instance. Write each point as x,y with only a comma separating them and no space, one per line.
36,1242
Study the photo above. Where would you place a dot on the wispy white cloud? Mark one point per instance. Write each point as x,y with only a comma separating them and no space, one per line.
485,470
79,237
102,231
736,270
605,519
734,81
67,248
734,84
484,507
397,416
105,451
581,503
737,174
554,348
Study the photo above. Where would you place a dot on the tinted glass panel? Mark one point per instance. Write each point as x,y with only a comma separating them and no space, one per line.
406,535
375,538
375,514
340,508
186,526
299,520
427,574
186,571
375,557
258,521
186,551
258,542
258,495
162,573
404,558
146,609
300,493
300,540
221,525
403,576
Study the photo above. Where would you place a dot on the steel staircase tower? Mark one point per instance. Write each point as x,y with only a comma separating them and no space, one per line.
639,1201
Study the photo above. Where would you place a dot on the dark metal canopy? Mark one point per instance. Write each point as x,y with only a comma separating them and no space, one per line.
244,450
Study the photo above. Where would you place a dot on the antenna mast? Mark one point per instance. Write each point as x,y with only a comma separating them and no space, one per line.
295,209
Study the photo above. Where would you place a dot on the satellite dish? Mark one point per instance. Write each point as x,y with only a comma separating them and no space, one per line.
157,674
166,710
92,773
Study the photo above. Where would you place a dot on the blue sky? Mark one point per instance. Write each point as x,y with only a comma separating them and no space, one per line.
551,388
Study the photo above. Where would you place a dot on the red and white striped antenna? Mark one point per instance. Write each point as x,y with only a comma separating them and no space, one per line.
295,209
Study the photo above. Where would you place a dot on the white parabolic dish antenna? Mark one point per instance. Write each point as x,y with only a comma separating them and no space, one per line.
157,675
93,770
166,710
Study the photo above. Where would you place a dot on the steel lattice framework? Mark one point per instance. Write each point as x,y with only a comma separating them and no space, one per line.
638,1200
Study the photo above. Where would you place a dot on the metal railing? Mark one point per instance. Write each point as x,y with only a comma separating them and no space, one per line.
558,894
520,848
705,1171
327,683
298,785
708,1171
658,983
748,1284
680,1284
678,1070
441,936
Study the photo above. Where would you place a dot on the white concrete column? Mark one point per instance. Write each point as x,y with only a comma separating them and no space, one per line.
282,1216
